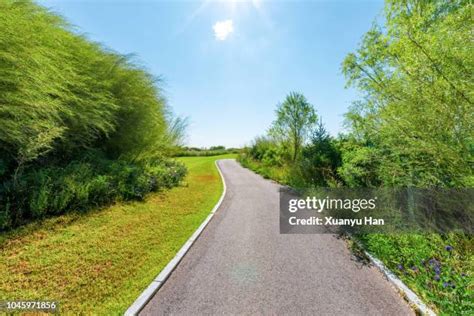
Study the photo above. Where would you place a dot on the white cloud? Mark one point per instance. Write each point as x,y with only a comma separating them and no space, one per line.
222,29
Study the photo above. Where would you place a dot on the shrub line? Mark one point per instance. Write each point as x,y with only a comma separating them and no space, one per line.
161,278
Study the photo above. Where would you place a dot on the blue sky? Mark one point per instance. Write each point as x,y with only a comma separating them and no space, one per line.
227,64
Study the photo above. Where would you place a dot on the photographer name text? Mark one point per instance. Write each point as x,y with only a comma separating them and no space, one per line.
331,221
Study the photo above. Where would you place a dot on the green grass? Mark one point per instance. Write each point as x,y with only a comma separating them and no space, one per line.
279,174
99,262
437,267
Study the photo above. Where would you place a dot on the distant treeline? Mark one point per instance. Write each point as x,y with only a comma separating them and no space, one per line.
80,125
211,151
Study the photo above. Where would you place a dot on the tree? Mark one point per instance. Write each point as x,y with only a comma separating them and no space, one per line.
320,159
417,113
80,125
296,117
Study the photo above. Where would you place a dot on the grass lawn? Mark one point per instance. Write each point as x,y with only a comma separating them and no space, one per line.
100,261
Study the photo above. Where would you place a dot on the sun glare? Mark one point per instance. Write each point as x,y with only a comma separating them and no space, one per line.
222,29
233,3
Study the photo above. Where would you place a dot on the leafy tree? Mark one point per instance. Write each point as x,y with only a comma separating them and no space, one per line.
416,117
295,119
360,164
80,124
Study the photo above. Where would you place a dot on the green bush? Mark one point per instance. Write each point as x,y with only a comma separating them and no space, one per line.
80,125
413,126
81,185
319,162
268,151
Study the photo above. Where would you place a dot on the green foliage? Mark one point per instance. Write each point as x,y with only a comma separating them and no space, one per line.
295,119
268,151
220,147
64,97
60,93
417,114
277,154
267,157
438,267
99,262
316,166
80,185
205,152
413,128
320,160
277,173
360,164
414,125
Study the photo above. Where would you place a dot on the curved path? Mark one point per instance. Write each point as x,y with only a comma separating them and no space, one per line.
241,264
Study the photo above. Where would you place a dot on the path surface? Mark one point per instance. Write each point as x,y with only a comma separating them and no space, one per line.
241,264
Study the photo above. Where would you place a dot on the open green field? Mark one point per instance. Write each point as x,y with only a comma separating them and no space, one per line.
102,260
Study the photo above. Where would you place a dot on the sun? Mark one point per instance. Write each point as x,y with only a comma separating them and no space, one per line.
234,8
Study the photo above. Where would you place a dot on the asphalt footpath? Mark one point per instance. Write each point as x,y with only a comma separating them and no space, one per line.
241,264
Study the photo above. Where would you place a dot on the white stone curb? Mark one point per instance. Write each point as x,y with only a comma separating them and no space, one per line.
409,295
155,285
